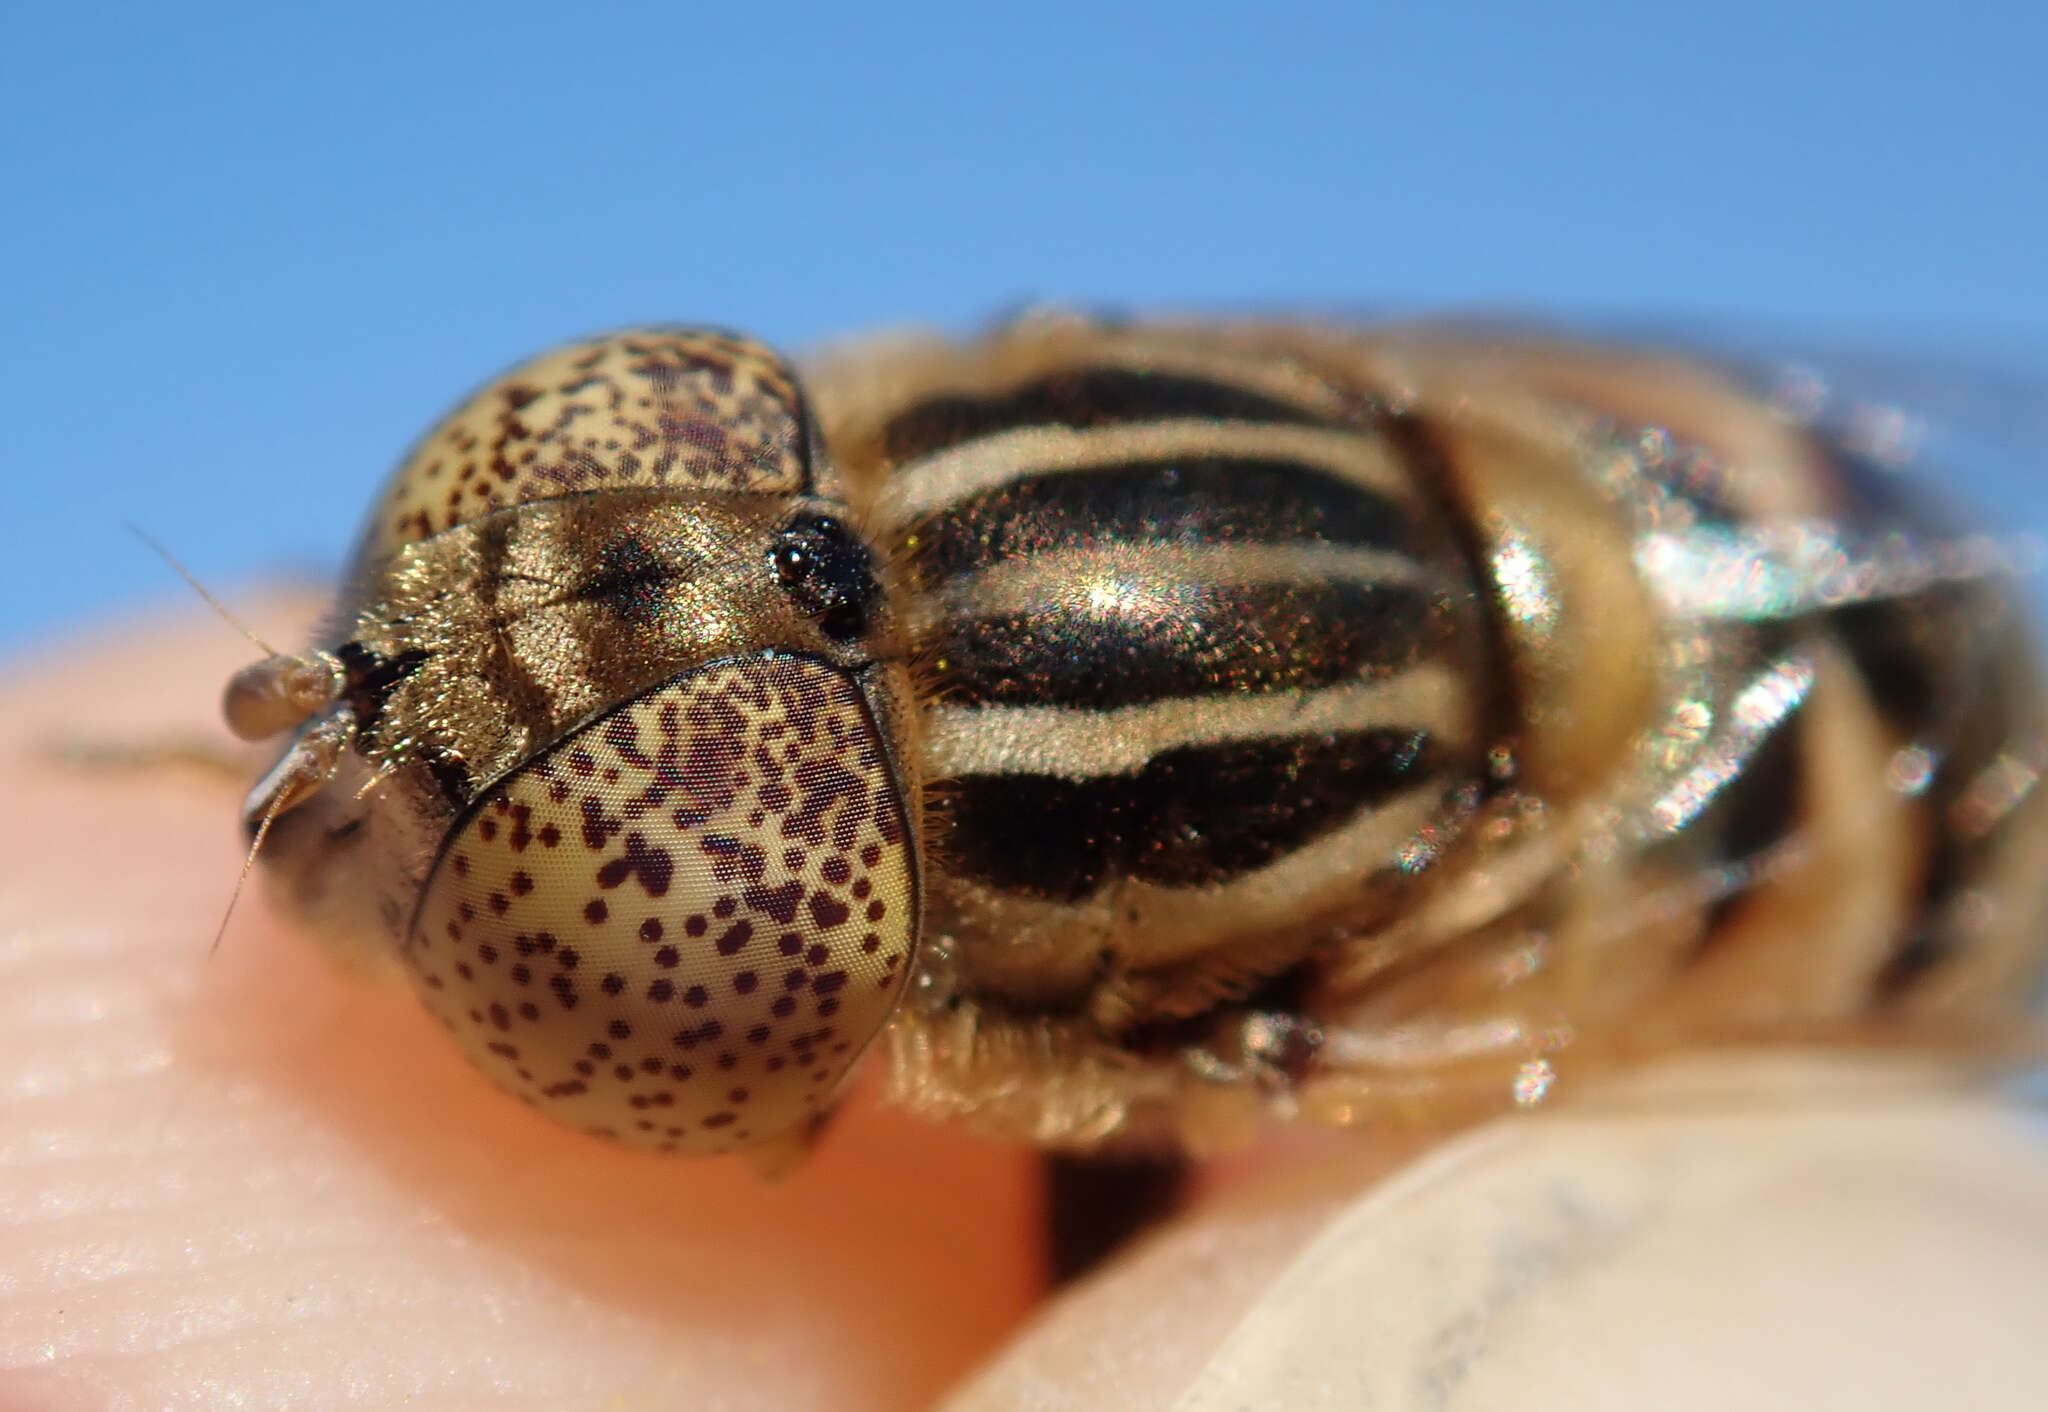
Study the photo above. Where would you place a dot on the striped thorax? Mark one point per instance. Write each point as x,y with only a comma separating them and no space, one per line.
1144,730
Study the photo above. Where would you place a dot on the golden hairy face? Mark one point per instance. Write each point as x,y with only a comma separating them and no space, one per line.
606,748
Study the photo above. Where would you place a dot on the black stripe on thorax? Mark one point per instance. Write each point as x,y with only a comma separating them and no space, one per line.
1080,397
1206,639
528,701
1190,500
1191,817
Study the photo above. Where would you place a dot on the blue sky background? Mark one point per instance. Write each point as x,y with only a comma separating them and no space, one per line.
248,251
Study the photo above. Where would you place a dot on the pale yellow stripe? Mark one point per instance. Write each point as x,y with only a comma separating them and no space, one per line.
952,475
1078,745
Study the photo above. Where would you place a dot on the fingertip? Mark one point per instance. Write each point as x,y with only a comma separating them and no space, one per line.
292,1169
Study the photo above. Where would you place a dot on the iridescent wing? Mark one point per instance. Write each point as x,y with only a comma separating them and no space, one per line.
1832,831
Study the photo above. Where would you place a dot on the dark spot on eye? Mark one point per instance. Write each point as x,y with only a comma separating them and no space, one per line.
828,911
597,829
780,903
731,858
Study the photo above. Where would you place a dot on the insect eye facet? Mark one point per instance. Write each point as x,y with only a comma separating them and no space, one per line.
682,924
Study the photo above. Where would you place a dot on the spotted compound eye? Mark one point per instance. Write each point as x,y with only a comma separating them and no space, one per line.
681,925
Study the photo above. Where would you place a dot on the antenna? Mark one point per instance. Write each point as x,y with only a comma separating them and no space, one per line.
199,588
277,801
241,878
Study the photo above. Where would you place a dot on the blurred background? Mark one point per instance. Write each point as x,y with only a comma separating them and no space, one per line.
249,251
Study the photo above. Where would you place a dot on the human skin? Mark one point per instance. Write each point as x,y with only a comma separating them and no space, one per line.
253,1174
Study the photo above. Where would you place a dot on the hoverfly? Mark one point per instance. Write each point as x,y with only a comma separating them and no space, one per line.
1138,731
